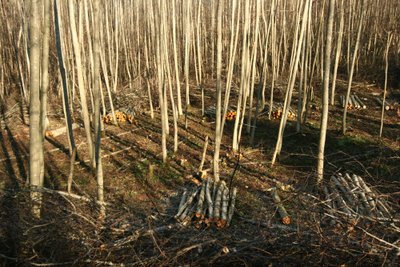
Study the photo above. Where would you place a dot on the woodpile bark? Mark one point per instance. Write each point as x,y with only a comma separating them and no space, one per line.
389,103
123,115
211,203
60,131
355,102
281,209
277,111
352,196
211,111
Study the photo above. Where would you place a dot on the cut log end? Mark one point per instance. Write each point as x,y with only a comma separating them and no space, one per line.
286,220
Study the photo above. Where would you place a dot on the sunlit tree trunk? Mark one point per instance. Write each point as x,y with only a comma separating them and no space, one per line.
82,91
219,92
293,73
44,79
35,134
96,91
325,95
353,62
338,52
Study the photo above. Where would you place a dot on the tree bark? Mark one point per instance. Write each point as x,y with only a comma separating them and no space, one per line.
353,62
96,91
218,136
35,134
82,92
44,79
325,96
388,42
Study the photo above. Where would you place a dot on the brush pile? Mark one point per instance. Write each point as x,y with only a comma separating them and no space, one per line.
121,116
353,197
277,111
207,204
354,103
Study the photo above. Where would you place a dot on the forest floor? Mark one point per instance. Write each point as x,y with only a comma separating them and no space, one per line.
140,229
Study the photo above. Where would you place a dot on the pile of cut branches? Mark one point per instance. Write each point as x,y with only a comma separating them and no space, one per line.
209,203
352,196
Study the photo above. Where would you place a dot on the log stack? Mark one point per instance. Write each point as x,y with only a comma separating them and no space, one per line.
355,102
211,111
389,103
211,203
123,115
352,196
277,111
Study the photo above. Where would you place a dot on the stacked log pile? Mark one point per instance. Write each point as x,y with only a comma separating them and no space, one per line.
123,115
352,196
355,102
389,103
211,111
277,111
207,204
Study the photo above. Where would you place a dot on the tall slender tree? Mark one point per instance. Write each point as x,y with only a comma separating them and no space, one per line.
325,92
218,126
35,134
353,63
96,90
81,84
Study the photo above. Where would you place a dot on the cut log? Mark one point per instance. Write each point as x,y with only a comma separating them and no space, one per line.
217,202
209,197
363,106
183,199
345,191
187,203
370,196
201,200
355,103
341,100
379,101
187,214
340,203
361,193
231,206
60,131
281,209
224,209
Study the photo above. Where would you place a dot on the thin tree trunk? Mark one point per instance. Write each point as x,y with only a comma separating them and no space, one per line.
44,79
338,52
35,134
388,42
219,93
178,82
325,96
82,92
294,64
65,95
361,21
96,91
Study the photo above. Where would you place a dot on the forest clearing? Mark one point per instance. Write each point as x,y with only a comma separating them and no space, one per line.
200,133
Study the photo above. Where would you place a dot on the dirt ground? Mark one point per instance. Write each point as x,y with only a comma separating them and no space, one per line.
140,228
